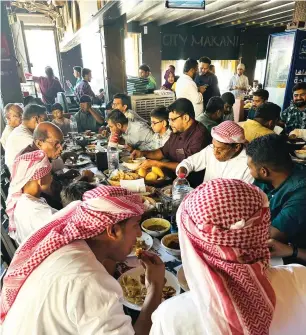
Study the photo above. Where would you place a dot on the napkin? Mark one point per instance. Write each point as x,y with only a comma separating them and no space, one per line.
137,185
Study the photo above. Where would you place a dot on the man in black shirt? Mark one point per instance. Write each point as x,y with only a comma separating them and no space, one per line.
207,78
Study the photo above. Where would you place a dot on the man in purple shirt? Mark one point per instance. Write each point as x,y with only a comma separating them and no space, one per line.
83,88
49,86
188,137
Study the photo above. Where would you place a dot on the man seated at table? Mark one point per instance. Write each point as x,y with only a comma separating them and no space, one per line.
145,72
223,227
265,119
213,114
58,273
27,211
229,101
87,118
122,102
188,137
294,116
136,134
160,126
13,115
224,158
22,136
83,88
259,97
285,184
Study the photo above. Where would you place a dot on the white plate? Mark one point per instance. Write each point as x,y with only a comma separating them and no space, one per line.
182,280
136,272
79,163
149,242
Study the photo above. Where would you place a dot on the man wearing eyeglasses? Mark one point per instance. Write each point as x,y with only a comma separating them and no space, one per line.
188,137
22,136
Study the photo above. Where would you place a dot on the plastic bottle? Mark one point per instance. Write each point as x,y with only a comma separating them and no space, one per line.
180,189
73,129
112,158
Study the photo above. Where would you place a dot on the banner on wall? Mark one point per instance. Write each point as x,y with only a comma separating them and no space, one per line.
182,43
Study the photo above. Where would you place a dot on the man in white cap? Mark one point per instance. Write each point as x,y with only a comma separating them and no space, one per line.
239,82
224,158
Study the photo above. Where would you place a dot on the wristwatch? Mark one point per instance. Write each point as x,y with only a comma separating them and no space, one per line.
295,250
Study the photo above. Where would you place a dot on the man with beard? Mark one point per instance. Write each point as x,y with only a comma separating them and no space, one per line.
187,88
284,182
259,98
295,115
188,137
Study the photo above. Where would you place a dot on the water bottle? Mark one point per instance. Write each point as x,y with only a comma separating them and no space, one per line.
112,158
73,129
180,189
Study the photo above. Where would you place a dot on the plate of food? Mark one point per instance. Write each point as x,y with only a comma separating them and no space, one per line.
134,290
182,279
145,242
118,175
80,162
132,164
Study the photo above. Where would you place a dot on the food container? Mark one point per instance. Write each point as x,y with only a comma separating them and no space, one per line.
132,164
169,240
300,154
156,222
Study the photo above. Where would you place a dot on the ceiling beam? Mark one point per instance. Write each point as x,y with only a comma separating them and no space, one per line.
156,11
144,6
266,22
256,9
215,7
234,10
263,16
175,15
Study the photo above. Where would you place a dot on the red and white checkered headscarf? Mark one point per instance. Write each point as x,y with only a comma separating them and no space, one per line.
105,206
30,166
223,232
228,132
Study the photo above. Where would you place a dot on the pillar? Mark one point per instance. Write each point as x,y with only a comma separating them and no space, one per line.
10,83
151,49
299,13
113,34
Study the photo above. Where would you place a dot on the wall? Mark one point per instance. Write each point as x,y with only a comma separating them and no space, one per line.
70,59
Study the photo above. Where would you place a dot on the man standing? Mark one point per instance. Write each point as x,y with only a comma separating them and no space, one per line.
239,82
259,97
225,158
49,86
295,115
213,114
188,137
83,88
145,72
135,133
22,136
13,114
77,72
87,118
122,102
208,79
285,184
187,88
266,117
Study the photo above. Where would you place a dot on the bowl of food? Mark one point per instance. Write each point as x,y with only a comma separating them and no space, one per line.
300,153
295,143
132,164
156,226
171,244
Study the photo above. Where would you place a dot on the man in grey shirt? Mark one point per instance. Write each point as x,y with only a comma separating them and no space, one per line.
136,134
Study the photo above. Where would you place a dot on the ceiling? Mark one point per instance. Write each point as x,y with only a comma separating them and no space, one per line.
218,13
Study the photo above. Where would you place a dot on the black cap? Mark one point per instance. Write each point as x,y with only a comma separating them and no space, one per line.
85,98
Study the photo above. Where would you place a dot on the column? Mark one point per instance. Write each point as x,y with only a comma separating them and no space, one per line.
299,11
113,34
151,49
10,83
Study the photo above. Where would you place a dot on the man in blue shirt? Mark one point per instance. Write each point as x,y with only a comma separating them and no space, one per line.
285,185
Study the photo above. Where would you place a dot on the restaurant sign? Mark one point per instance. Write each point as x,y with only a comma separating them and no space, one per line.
221,44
